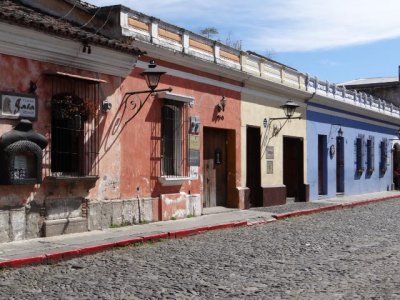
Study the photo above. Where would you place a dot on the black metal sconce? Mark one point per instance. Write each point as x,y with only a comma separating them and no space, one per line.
152,75
289,109
86,48
106,106
340,132
221,105
398,133
32,87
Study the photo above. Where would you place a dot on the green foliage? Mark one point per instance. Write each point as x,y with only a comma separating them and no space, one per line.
209,32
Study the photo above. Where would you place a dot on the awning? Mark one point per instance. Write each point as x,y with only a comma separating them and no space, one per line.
176,97
74,76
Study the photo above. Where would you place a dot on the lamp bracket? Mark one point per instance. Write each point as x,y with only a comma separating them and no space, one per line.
284,118
137,106
149,91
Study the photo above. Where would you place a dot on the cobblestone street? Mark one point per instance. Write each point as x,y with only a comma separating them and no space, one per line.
345,254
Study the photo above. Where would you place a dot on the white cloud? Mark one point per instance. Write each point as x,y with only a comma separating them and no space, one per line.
281,25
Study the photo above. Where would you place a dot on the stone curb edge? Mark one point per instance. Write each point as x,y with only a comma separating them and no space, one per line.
330,208
62,255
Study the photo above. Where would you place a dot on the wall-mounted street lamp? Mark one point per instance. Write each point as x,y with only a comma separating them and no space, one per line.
152,75
289,109
398,133
221,104
340,132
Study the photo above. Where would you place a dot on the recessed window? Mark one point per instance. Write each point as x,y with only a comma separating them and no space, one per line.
74,143
172,134
370,155
360,154
384,155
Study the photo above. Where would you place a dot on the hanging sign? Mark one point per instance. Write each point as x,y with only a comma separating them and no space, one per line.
18,106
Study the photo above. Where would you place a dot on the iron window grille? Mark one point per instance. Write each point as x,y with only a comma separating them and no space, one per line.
370,154
173,130
360,145
74,141
384,155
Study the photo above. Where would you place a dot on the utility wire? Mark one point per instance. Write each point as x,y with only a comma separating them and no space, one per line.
106,21
90,20
76,2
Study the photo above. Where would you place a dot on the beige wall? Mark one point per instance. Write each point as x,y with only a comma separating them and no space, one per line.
253,111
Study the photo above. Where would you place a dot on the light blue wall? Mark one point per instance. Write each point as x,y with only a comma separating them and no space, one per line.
324,124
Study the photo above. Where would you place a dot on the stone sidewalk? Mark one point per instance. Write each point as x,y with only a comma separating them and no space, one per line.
51,249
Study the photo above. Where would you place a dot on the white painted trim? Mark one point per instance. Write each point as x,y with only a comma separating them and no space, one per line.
171,181
176,97
36,45
351,107
346,116
201,79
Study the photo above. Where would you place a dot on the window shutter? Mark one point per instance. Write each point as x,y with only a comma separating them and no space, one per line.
359,155
383,164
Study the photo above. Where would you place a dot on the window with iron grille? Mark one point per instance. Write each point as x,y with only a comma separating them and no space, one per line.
384,155
74,142
172,124
370,154
360,154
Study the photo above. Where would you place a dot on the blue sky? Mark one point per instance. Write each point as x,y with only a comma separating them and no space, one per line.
336,40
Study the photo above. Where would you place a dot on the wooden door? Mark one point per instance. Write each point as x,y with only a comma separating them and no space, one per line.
215,167
253,170
339,164
322,164
293,167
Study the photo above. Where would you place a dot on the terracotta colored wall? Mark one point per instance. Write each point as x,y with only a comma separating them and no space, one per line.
140,140
16,74
129,154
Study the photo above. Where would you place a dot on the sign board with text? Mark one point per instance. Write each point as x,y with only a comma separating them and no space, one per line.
194,150
18,106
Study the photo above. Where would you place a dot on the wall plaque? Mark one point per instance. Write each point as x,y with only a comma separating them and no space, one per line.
18,106
194,150
194,172
269,152
270,167
194,142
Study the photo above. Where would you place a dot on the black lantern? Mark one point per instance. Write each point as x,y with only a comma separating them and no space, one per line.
398,133
289,108
152,75
340,132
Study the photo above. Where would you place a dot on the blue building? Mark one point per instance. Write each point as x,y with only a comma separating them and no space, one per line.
350,137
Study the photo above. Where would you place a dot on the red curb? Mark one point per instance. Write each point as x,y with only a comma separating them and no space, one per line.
176,234
130,241
23,261
97,248
330,207
240,224
155,237
221,226
182,233
54,257
261,222
307,211
365,202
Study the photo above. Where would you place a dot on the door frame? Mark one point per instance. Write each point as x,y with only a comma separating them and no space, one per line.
340,163
253,159
230,158
300,190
